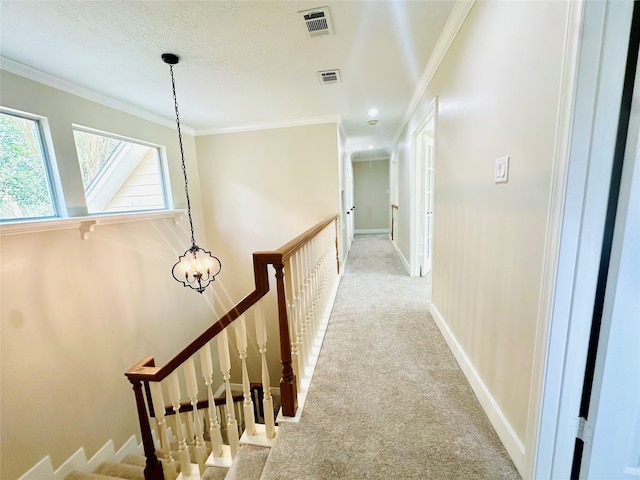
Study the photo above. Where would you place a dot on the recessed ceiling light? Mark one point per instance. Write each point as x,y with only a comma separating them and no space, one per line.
373,111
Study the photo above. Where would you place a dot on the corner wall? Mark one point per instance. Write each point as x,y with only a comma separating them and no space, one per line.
498,88
264,188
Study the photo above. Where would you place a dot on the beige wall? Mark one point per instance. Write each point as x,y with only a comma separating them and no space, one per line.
77,313
498,90
371,192
263,189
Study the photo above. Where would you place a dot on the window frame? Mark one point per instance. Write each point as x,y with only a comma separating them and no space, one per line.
84,222
51,173
165,184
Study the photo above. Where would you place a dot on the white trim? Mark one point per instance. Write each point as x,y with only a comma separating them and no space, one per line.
296,122
507,435
372,159
43,470
453,24
52,81
85,224
593,133
559,175
402,258
366,231
416,166
39,76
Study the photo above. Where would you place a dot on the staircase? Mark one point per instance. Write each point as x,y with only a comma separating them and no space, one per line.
128,464
248,465
192,430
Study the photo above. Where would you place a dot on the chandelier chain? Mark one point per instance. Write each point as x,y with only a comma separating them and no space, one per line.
184,168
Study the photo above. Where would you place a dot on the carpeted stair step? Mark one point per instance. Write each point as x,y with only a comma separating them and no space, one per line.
249,463
113,471
121,470
88,476
215,473
138,460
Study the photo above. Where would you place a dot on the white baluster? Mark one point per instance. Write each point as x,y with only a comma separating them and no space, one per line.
174,397
297,314
291,315
267,402
308,341
192,392
214,426
247,405
314,289
225,368
302,332
326,256
157,399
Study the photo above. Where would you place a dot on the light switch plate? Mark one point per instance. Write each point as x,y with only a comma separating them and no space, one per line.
501,173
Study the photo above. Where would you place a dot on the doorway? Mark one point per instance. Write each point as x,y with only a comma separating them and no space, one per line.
423,156
371,195
589,409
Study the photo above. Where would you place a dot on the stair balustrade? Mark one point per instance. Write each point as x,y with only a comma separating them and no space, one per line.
306,272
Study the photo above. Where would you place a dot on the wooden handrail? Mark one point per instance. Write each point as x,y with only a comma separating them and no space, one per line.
288,249
145,371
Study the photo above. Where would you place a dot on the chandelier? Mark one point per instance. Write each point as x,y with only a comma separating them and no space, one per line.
196,268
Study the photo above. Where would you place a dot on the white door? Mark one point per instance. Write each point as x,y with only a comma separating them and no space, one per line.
614,413
422,185
427,196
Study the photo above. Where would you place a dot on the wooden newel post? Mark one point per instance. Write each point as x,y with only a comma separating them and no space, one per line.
153,469
288,382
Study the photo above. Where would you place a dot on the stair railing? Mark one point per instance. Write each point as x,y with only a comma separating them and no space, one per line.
306,270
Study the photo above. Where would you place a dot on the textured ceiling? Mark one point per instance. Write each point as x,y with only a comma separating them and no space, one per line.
242,63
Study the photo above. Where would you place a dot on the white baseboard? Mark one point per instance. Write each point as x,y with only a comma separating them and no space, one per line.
507,435
404,260
371,230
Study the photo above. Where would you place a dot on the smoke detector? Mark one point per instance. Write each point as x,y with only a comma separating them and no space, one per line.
317,21
329,76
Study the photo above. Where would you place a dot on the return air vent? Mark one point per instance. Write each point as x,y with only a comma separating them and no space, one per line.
329,76
317,21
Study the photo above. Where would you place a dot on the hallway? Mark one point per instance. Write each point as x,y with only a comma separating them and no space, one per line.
387,400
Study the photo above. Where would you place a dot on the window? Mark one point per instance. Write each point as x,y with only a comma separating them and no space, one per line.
25,179
119,175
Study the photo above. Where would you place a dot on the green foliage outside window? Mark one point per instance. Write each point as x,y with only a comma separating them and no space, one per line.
93,153
24,186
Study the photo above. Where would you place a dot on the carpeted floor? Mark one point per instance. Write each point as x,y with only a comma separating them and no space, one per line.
388,400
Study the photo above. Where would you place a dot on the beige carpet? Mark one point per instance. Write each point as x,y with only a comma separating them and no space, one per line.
387,400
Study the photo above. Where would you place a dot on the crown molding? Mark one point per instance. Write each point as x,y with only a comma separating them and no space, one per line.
39,76
297,122
451,28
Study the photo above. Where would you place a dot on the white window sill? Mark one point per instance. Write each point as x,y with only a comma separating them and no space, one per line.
85,225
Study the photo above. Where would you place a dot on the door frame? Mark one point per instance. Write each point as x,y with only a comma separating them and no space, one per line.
417,187
589,113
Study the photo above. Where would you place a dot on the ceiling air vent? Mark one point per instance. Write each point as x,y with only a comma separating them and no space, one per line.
329,76
317,21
